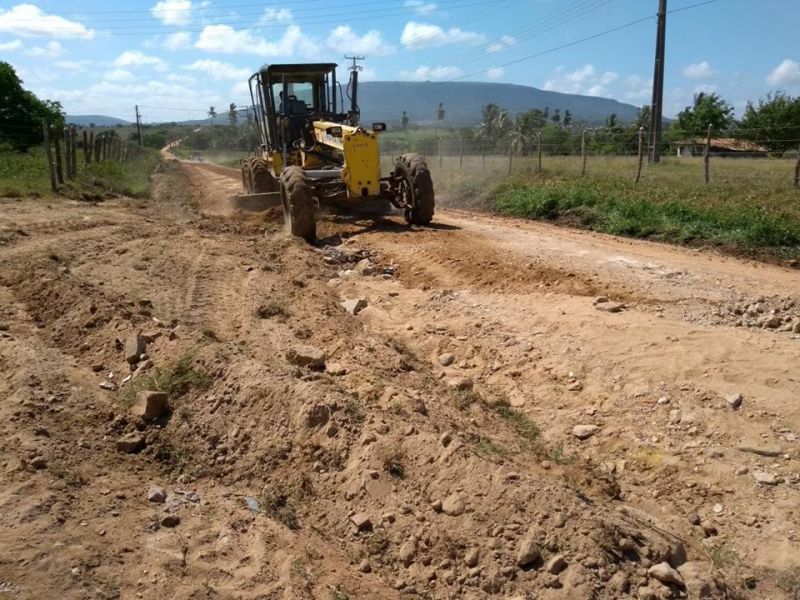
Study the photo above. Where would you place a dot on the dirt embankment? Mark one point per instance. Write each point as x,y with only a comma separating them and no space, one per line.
476,426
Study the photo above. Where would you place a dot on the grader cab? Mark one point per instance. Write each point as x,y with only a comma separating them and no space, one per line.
314,153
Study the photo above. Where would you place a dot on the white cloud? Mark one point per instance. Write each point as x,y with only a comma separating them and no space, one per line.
219,71
50,50
424,73
496,73
120,75
11,46
276,15
27,20
73,66
173,12
344,40
504,42
424,35
420,7
638,90
241,90
704,89
786,73
701,70
585,81
227,40
178,41
367,74
135,58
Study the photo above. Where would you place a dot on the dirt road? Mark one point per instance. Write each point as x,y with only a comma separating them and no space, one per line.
482,427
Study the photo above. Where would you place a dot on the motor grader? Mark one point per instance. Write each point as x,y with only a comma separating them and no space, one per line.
315,154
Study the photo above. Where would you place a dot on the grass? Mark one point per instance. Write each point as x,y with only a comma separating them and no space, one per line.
522,424
488,447
281,502
26,174
722,556
174,457
393,460
749,208
176,380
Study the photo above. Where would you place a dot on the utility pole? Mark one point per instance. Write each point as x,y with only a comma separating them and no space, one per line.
353,87
139,125
657,105
355,66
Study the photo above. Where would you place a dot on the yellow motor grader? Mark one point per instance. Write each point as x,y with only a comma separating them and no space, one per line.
314,153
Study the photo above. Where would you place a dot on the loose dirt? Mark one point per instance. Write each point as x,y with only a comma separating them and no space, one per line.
483,426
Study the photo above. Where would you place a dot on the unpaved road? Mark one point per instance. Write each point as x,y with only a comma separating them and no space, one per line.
373,478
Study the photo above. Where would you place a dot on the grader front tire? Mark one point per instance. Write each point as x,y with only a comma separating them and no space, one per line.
299,208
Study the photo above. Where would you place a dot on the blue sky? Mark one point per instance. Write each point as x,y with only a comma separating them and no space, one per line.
177,57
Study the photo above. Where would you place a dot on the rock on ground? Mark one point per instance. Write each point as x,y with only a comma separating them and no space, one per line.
665,574
583,432
150,405
306,356
134,348
528,552
354,305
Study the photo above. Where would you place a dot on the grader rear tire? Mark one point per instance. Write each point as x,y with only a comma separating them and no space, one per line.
299,208
417,188
261,177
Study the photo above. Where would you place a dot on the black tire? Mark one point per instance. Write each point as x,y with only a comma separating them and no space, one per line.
261,177
299,208
246,182
416,183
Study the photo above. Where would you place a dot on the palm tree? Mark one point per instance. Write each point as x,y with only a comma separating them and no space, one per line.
642,119
494,125
232,116
212,113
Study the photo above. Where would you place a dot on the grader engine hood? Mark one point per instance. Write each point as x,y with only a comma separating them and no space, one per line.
361,172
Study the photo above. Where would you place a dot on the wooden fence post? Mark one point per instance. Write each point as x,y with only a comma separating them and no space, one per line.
48,151
707,157
583,153
86,155
461,154
510,156
440,152
797,171
59,164
98,139
539,152
641,155
483,157
67,157
73,135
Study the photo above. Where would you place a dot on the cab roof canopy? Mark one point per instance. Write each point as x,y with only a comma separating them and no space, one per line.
277,70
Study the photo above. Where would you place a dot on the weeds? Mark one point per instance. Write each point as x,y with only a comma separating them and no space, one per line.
393,458
558,456
73,479
522,424
355,411
270,310
281,503
722,556
209,334
338,593
176,380
465,398
488,447
173,457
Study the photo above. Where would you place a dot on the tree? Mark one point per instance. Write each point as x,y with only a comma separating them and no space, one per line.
707,109
775,120
567,119
556,118
642,119
440,112
232,116
526,126
22,113
404,120
212,113
495,124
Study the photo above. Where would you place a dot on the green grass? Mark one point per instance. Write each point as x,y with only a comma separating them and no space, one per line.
522,424
176,380
26,174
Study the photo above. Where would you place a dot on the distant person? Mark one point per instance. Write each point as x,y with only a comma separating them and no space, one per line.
440,112
404,120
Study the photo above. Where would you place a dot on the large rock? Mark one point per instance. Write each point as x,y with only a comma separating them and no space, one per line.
306,356
665,574
699,582
315,415
770,451
528,552
354,305
584,432
408,551
157,494
453,505
134,348
150,405
361,521
130,442
765,478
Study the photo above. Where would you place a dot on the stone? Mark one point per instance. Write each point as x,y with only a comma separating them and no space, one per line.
574,386
97,367
157,494
335,369
130,442
446,359
675,416
306,356
764,478
171,521
361,521
584,432
663,400
408,551
734,400
39,462
445,439
694,519
528,552
555,564
743,470
460,384
608,306
364,566
453,505
619,582
698,580
760,450
108,385
354,305
665,574
150,405
134,348
472,557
